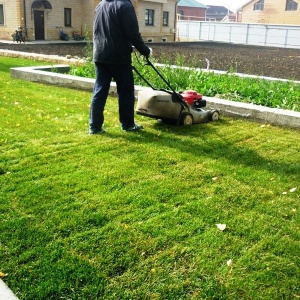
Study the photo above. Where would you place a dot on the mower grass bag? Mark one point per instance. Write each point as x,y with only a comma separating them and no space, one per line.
184,108
167,107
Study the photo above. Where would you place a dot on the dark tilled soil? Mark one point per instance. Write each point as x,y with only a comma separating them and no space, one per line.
263,61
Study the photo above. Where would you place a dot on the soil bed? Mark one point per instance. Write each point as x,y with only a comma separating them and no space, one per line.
262,61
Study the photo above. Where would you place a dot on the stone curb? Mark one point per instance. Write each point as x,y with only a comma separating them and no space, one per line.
42,57
274,116
6,293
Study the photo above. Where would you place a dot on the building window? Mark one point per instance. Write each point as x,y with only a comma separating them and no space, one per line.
1,14
259,5
68,17
149,17
291,5
165,18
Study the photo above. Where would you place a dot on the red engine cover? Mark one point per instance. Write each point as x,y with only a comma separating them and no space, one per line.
191,96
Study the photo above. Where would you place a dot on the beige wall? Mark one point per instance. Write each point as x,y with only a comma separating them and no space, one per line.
82,18
274,13
55,17
158,32
11,21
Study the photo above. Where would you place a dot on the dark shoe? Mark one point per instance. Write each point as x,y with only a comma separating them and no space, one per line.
135,127
97,131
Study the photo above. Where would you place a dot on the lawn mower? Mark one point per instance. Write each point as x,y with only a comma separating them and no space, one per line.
169,106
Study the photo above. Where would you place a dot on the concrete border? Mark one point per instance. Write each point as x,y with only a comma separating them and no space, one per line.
45,74
274,116
42,57
264,114
6,293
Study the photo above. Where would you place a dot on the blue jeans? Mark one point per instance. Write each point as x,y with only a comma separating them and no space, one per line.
123,75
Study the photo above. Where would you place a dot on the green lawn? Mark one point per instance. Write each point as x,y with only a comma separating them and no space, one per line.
134,215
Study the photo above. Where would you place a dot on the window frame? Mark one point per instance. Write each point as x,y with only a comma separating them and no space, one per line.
68,17
291,5
166,15
259,5
149,17
2,22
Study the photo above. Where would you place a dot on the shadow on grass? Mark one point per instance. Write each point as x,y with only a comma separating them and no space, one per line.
183,138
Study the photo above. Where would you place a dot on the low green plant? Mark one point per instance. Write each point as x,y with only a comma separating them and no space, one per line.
136,215
275,94
88,69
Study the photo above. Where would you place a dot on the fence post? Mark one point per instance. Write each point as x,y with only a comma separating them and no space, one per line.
200,30
188,29
286,37
247,34
266,35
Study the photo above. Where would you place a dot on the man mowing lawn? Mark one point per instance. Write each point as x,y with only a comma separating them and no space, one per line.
115,31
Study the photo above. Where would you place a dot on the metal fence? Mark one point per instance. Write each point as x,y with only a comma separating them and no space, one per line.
239,33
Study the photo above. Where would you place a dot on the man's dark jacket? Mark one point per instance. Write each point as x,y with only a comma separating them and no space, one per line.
116,29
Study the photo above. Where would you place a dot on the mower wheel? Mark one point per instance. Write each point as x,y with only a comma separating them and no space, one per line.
186,119
215,115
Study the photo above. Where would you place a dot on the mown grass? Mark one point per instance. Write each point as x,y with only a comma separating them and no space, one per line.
133,216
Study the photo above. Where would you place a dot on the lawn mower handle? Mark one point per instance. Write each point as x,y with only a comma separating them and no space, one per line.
149,63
